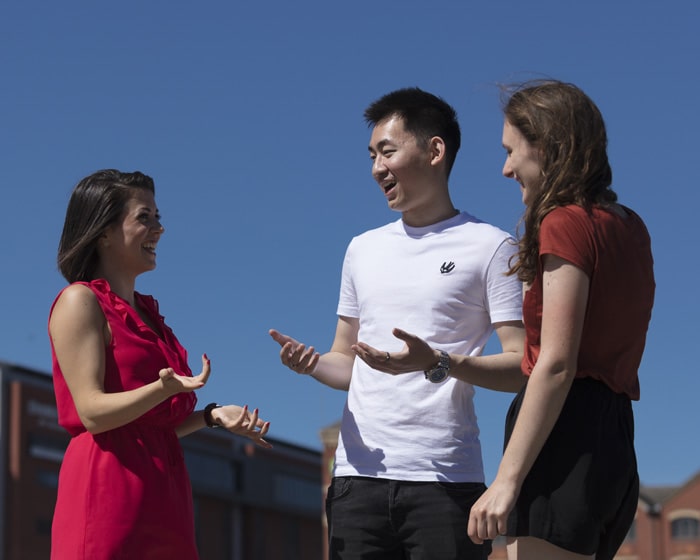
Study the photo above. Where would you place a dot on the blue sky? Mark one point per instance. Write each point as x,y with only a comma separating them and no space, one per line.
249,118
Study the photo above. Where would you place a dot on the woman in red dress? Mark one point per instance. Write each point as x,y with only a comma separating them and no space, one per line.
123,386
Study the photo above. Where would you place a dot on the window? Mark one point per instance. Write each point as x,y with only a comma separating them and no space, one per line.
685,528
47,479
46,447
297,492
210,472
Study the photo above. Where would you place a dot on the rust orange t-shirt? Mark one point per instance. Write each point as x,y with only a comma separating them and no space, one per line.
615,253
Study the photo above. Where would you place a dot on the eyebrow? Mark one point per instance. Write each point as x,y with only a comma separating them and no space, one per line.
380,145
145,208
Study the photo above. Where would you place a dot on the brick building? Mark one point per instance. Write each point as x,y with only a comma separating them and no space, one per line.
250,503
667,525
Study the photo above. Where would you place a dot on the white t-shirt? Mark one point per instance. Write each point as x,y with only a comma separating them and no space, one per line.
446,284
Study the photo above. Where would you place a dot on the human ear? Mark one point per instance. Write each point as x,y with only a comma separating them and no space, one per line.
103,241
437,148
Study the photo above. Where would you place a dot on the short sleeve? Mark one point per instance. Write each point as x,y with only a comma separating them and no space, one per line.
567,232
347,300
503,292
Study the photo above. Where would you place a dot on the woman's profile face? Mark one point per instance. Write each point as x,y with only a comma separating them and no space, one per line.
522,162
131,242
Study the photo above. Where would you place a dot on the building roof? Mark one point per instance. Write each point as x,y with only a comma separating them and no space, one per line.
656,496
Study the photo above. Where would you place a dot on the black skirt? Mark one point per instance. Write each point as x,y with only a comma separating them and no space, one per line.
581,493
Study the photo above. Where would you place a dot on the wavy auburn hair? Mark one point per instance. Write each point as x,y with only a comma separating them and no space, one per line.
568,130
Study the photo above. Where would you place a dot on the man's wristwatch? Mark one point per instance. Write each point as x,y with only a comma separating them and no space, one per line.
439,372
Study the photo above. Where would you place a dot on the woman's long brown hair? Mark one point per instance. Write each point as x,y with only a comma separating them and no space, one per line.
567,128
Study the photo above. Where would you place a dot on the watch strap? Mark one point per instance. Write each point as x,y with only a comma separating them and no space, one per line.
207,415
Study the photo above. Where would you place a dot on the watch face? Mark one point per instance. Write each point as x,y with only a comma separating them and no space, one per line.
437,375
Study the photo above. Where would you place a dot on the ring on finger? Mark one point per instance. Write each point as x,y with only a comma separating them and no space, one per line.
387,357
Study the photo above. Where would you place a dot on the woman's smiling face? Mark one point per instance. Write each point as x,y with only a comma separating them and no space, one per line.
522,162
132,241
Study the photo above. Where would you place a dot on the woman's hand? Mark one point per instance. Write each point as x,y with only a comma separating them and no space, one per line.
416,355
488,517
175,383
239,420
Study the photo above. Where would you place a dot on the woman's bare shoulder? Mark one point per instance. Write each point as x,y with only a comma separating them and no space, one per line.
76,301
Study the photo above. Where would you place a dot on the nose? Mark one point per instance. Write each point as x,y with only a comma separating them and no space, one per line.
158,227
378,167
507,169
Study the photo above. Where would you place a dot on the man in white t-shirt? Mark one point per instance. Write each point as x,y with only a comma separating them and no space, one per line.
408,465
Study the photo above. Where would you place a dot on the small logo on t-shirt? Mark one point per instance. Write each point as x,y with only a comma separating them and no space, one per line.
447,267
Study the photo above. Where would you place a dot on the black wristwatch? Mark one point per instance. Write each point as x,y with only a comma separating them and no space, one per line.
207,415
438,373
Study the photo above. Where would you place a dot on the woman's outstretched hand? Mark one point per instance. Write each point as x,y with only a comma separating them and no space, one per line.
175,383
239,420
416,355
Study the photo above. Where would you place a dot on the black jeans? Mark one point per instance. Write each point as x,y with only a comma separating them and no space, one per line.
378,519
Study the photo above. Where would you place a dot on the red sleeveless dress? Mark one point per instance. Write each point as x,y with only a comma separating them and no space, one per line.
125,493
